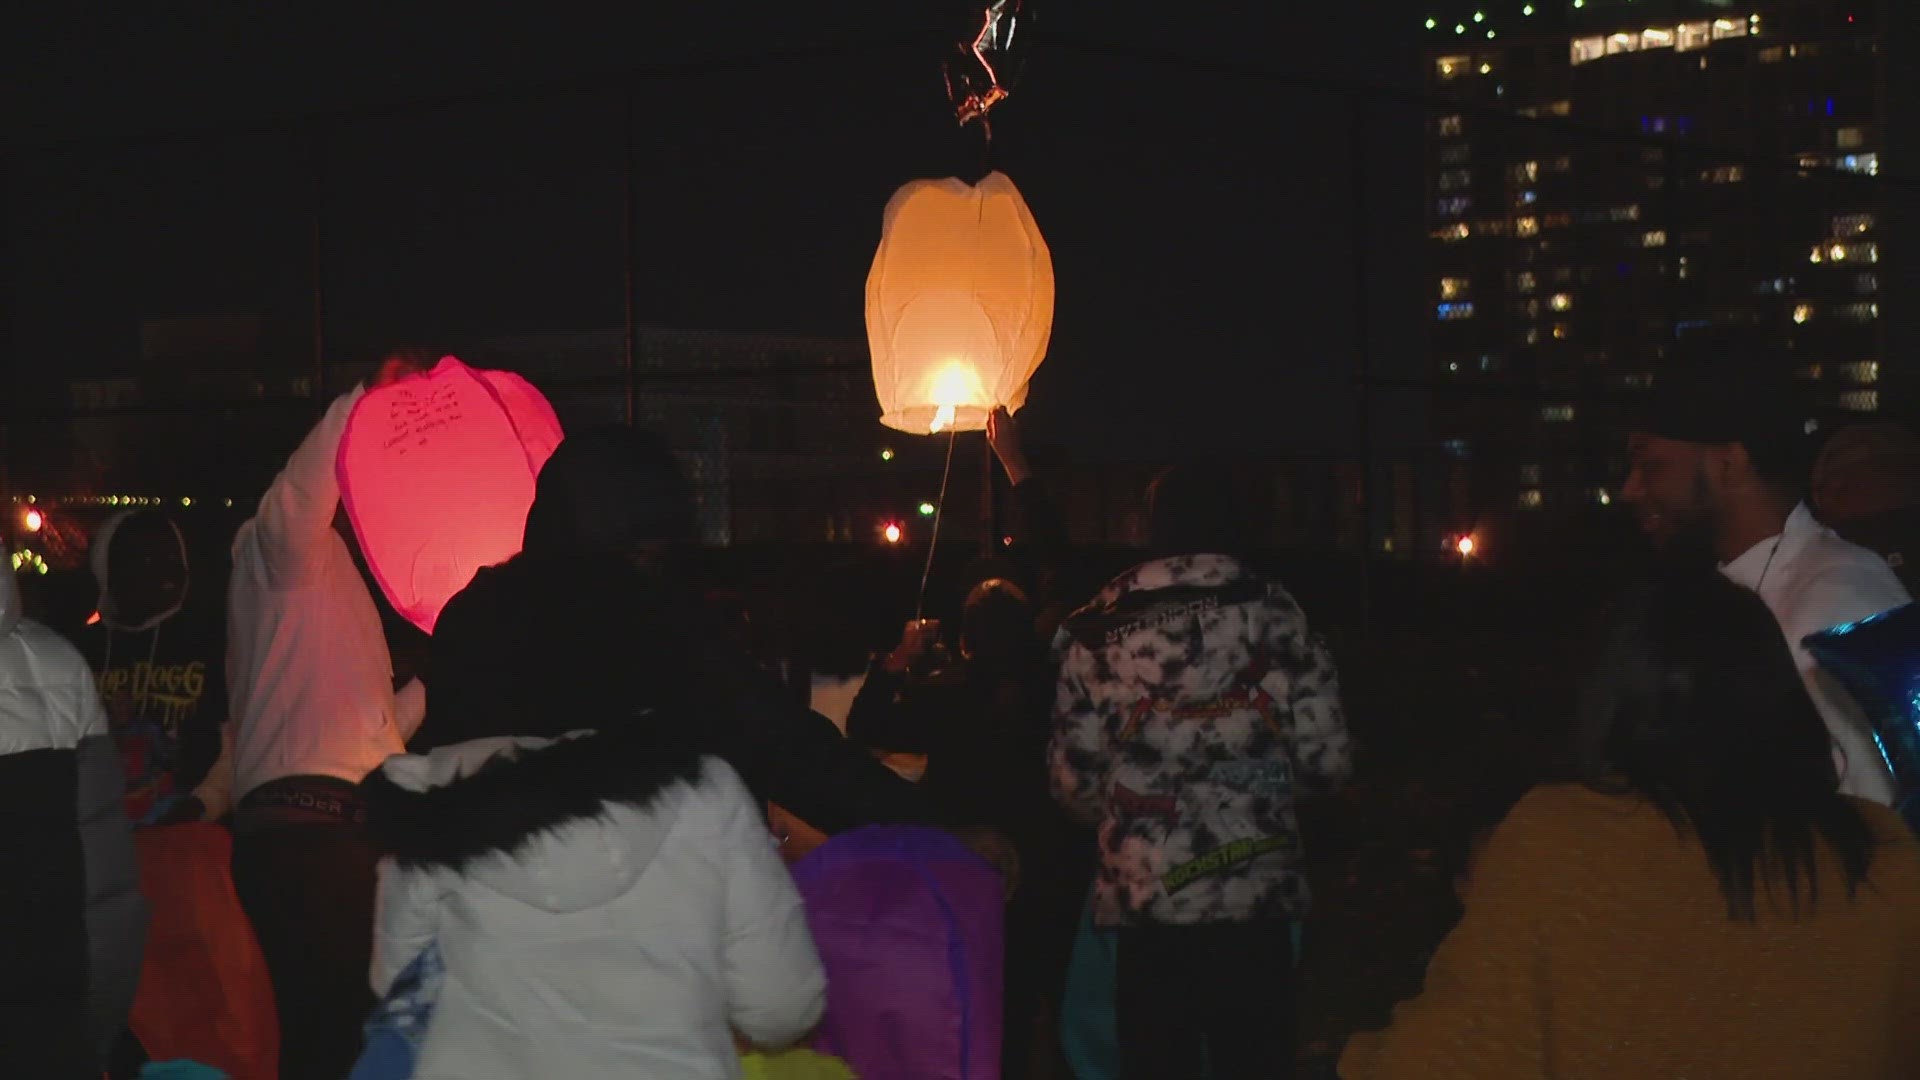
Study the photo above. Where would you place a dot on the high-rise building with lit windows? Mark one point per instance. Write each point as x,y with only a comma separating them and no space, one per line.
1604,172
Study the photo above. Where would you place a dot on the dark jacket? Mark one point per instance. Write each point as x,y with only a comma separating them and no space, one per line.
618,492
739,712
984,731
165,688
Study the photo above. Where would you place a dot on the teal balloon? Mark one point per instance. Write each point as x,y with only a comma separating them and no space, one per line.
1878,660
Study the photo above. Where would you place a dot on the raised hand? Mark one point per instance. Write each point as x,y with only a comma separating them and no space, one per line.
1003,434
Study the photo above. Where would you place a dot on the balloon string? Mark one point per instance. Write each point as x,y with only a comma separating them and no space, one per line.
939,511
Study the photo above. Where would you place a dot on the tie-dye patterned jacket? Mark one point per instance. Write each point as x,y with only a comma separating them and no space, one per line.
1193,706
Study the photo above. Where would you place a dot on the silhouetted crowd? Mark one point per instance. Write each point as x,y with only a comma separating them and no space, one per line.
599,833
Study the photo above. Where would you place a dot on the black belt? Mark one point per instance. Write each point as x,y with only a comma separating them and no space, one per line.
323,797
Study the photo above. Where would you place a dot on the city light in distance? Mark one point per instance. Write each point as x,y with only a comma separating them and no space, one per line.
1459,28
887,454
33,520
1431,24
893,532
1465,546
1479,16
927,509
1528,10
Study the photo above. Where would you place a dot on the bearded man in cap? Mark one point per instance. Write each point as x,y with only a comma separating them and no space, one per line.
1720,455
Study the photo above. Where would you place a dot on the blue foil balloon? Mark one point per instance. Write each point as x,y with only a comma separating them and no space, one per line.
1878,660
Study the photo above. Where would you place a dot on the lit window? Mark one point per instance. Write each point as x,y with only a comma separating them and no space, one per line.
1724,174
1860,400
1456,153
1802,312
1453,288
1772,55
1623,43
1525,282
1453,206
1530,336
1603,496
1456,180
1852,224
1489,362
1563,107
1557,414
1527,309
1850,138
1454,312
1693,35
1866,284
1652,38
1526,226
1863,372
1562,301
1728,28
1625,213
1588,48
1531,498
1861,163
1530,474
1561,331
1526,172
1529,197
1456,231
1654,238
1840,251
1448,67
1449,125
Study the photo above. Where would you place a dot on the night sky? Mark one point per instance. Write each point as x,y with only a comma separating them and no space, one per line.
1204,223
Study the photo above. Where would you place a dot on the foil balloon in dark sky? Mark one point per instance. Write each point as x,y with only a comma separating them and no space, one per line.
1878,660
988,57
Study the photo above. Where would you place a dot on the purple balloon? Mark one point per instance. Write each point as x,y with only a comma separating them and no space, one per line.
909,924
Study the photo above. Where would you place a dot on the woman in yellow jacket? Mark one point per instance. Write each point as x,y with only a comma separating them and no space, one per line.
1704,904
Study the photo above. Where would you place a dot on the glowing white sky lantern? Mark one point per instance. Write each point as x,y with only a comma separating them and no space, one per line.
959,304
437,473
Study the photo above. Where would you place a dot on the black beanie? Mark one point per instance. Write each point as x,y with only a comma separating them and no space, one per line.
1731,386
606,489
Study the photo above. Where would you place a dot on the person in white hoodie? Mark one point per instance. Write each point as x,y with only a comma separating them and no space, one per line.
605,903
72,922
310,687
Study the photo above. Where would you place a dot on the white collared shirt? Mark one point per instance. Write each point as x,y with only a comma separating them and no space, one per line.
1812,580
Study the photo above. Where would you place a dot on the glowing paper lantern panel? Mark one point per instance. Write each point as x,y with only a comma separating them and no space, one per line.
436,474
959,304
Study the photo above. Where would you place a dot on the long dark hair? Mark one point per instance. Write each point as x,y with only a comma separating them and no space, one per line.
1697,705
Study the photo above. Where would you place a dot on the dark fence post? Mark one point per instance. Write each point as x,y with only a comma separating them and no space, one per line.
317,258
627,245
